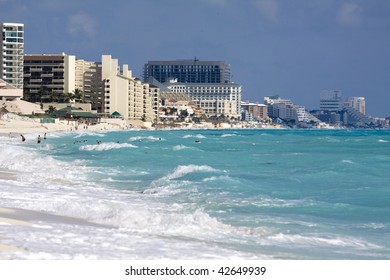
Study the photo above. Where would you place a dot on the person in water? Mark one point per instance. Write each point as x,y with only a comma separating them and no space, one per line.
44,136
39,139
23,138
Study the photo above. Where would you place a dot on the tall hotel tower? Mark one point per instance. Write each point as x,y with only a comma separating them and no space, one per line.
188,71
207,83
12,51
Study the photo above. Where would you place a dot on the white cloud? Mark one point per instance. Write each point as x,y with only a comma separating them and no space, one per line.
349,14
82,24
268,8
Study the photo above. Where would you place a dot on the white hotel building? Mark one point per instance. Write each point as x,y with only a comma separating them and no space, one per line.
137,102
214,98
12,51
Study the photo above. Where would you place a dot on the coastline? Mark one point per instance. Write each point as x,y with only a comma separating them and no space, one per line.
13,125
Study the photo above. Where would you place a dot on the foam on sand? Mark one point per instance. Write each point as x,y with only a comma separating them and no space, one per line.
23,217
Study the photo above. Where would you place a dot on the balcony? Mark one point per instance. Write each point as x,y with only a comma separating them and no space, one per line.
35,80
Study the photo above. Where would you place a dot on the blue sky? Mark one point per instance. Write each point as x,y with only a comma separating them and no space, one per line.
291,48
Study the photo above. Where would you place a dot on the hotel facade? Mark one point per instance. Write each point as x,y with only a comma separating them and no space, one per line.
188,71
12,51
53,73
214,99
88,79
207,83
137,102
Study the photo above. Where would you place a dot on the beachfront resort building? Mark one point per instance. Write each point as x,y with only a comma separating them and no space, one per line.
358,103
215,99
207,83
330,100
188,71
12,51
48,76
286,110
253,111
135,101
88,79
334,110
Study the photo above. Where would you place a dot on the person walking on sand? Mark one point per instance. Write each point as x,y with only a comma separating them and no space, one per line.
23,138
39,139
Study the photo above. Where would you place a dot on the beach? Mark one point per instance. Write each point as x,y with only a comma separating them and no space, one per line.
12,124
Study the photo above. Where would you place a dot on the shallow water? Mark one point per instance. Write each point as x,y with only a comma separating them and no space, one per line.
199,194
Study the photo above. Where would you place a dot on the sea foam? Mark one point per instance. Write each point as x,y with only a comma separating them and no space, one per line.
107,146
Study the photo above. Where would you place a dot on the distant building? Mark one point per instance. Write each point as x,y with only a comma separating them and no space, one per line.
188,71
88,79
254,111
286,110
280,108
48,74
358,103
12,51
136,102
214,98
330,100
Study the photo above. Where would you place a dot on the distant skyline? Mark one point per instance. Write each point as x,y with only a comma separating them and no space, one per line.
294,49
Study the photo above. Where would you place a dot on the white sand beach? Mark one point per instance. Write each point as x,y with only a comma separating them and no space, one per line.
13,124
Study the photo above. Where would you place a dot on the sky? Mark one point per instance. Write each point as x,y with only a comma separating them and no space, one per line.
294,49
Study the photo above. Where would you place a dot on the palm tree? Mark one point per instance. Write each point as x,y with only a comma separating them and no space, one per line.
51,109
78,95
43,93
68,97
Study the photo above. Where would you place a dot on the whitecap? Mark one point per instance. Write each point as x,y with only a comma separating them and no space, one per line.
199,136
183,147
106,146
382,141
88,133
218,178
182,170
147,138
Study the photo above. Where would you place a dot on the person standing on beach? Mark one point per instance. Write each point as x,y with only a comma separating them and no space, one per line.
39,139
23,138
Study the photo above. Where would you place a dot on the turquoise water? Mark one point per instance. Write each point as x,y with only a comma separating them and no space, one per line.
284,194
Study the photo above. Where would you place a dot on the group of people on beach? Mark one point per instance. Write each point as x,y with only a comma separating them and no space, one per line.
39,139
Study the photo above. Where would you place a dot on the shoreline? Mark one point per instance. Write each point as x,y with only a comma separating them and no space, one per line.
27,218
13,125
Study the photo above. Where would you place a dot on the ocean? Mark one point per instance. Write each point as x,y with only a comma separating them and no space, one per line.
200,194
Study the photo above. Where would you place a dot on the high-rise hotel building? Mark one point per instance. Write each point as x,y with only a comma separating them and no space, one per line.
135,101
207,83
53,72
88,75
188,71
12,51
